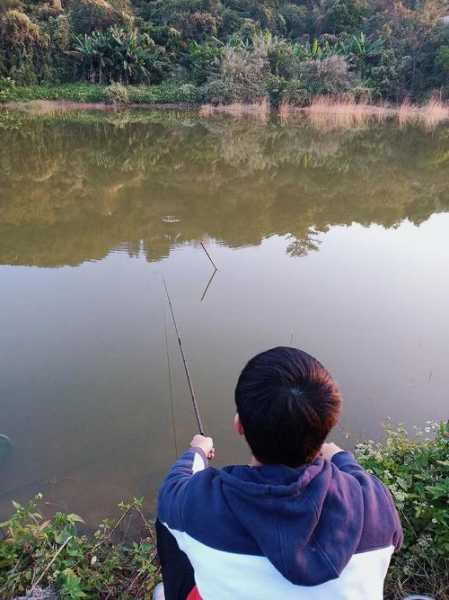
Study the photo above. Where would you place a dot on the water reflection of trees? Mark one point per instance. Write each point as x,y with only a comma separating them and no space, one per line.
74,188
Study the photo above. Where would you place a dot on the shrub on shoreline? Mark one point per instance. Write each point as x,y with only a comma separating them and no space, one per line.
116,93
35,552
416,471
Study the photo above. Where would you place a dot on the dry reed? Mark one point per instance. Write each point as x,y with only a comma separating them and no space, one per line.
326,113
434,113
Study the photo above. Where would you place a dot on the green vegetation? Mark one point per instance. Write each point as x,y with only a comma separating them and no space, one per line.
226,50
165,93
417,474
43,552
107,565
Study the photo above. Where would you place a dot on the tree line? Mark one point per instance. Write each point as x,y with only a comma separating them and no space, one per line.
233,50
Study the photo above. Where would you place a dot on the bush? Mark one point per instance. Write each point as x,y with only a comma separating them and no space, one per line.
6,85
202,61
243,73
23,47
18,30
275,89
296,93
417,473
442,63
198,26
329,76
284,59
52,553
296,19
93,15
166,93
189,92
219,91
116,93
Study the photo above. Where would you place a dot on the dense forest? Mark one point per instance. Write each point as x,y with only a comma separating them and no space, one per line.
232,50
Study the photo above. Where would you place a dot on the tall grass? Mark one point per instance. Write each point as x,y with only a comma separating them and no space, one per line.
429,115
325,113
328,113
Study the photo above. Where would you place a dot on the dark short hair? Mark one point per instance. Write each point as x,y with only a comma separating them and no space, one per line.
287,403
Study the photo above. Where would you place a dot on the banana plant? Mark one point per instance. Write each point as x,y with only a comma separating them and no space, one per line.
361,50
316,50
119,55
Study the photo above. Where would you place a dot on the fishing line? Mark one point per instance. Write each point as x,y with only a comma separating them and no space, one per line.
170,385
184,361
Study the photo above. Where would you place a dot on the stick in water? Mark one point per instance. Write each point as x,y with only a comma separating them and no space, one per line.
186,368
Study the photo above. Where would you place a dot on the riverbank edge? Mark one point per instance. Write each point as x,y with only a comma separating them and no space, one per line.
110,563
188,97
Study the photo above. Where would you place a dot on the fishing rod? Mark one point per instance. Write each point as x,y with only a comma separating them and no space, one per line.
184,360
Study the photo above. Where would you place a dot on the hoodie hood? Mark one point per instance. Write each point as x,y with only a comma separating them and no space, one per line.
308,522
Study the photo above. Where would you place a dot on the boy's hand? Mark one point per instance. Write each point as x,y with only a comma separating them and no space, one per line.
329,450
205,443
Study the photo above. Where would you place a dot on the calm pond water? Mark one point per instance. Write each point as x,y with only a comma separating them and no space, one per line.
335,240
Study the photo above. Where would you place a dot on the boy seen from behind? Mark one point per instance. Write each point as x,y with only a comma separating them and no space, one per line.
303,520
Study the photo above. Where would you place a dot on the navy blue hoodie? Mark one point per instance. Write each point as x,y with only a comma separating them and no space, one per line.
325,530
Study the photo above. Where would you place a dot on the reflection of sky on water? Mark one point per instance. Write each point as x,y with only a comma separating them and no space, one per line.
83,373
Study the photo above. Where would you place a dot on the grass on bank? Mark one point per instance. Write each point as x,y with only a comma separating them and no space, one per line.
166,93
108,564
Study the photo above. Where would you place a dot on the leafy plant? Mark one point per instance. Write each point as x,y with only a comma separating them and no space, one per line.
416,470
120,55
51,553
203,60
